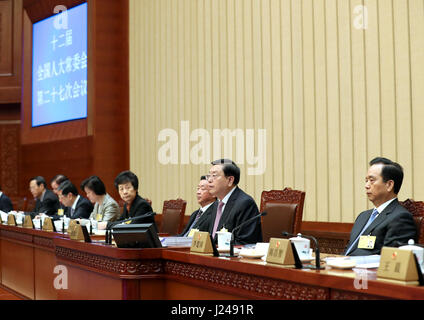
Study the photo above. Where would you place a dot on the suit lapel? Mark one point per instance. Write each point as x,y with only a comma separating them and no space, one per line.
207,215
133,207
228,207
382,216
361,225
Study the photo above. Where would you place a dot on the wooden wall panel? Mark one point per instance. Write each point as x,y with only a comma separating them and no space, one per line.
10,157
6,42
96,145
18,267
10,50
332,94
72,157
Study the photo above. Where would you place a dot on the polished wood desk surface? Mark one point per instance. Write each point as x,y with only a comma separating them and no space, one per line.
175,273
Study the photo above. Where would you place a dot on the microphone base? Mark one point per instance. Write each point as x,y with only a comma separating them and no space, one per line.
312,266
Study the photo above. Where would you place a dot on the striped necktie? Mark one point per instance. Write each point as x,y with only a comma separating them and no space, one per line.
218,217
370,220
199,214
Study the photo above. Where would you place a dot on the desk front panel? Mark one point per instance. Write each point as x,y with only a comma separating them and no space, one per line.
97,271
17,267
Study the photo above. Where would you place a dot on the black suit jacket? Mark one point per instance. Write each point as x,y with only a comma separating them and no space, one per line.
83,209
239,208
138,207
393,225
5,203
202,224
49,205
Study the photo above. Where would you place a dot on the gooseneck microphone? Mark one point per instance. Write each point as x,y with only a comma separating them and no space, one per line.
317,257
239,227
108,235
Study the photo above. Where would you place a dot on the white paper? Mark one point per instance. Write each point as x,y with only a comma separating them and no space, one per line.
176,241
3,216
36,223
362,262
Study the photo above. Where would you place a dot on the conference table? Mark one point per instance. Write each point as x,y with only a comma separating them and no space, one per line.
37,264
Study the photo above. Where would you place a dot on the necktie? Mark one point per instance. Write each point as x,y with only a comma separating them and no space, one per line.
199,214
370,220
218,217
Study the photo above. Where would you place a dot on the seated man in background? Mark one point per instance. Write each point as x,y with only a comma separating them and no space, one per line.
235,206
46,201
199,219
389,224
5,202
76,205
56,181
105,207
127,185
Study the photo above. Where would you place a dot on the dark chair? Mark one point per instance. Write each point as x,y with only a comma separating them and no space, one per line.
173,216
417,210
284,212
19,203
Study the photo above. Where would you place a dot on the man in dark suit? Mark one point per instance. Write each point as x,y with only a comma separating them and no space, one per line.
127,185
199,219
76,205
46,201
55,183
234,206
5,203
389,224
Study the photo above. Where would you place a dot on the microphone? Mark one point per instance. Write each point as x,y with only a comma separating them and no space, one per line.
108,235
317,258
239,227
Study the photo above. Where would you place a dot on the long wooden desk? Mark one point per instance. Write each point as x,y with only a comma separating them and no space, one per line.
29,257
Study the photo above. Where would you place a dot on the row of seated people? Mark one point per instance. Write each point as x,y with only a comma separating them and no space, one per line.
389,223
234,208
64,199
224,206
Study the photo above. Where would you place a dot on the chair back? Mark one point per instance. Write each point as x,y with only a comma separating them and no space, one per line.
284,212
173,216
417,210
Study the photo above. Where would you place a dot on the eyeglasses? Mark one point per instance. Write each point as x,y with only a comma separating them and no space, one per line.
213,176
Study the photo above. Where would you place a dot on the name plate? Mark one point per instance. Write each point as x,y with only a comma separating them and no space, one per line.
366,242
72,224
280,252
28,222
201,243
48,225
79,233
399,265
11,220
